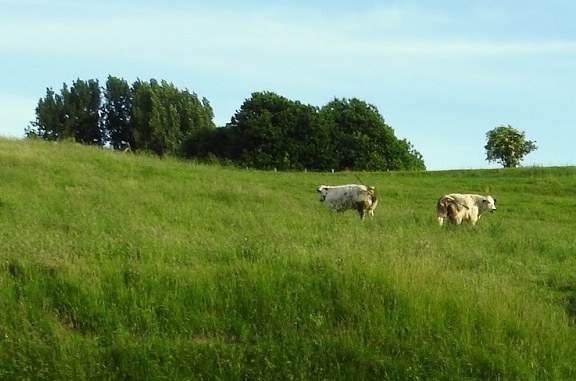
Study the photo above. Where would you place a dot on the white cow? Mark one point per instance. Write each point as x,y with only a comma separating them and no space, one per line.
339,198
458,207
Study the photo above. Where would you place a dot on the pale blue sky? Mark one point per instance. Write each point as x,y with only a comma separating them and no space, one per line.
442,73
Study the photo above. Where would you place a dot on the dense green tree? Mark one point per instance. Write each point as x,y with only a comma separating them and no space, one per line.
82,104
163,117
210,144
140,128
312,146
49,123
117,111
195,114
165,135
403,155
271,131
258,141
72,114
507,146
363,141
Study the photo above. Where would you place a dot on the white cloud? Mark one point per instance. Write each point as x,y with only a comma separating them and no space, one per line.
192,35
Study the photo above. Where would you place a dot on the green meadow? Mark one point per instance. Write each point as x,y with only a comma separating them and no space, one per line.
121,266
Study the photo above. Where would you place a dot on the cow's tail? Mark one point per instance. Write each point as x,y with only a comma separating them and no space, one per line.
446,201
359,179
369,189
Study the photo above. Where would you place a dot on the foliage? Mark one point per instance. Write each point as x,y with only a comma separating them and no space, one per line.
117,112
507,146
269,131
363,141
49,118
130,267
156,121
82,105
210,145
72,114
150,116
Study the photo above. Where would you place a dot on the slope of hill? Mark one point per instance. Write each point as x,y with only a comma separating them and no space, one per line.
122,266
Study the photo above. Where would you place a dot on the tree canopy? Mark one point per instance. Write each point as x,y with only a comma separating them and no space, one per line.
269,131
507,146
361,140
72,114
149,115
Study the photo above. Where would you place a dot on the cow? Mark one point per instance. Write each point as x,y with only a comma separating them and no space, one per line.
458,207
357,197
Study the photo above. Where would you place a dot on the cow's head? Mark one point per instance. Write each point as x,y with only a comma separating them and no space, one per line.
322,192
489,204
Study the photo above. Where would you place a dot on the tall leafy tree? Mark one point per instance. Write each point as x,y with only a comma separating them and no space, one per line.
149,115
312,144
507,146
163,118
165,135
363,141
257,139
212,144
195,114
49,123
355,124
141,115
270,131
82,104
404,156
72,114
117,111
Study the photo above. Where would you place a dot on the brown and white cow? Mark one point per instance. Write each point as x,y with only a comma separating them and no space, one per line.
458,207
357,197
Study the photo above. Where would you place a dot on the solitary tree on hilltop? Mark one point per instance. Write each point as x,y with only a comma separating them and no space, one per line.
507,146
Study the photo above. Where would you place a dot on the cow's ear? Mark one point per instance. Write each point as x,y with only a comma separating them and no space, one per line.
494,201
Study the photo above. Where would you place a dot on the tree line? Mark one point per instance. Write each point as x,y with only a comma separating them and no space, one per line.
269,131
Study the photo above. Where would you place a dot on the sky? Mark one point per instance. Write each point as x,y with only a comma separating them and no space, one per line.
442,73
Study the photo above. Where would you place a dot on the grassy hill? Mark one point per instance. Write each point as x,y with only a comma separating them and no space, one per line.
119,266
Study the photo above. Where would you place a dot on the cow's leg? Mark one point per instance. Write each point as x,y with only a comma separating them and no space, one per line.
441,221
474,216
361,210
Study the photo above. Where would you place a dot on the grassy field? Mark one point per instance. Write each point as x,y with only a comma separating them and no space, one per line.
118,266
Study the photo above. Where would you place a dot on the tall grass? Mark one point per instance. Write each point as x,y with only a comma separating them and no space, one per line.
119,266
